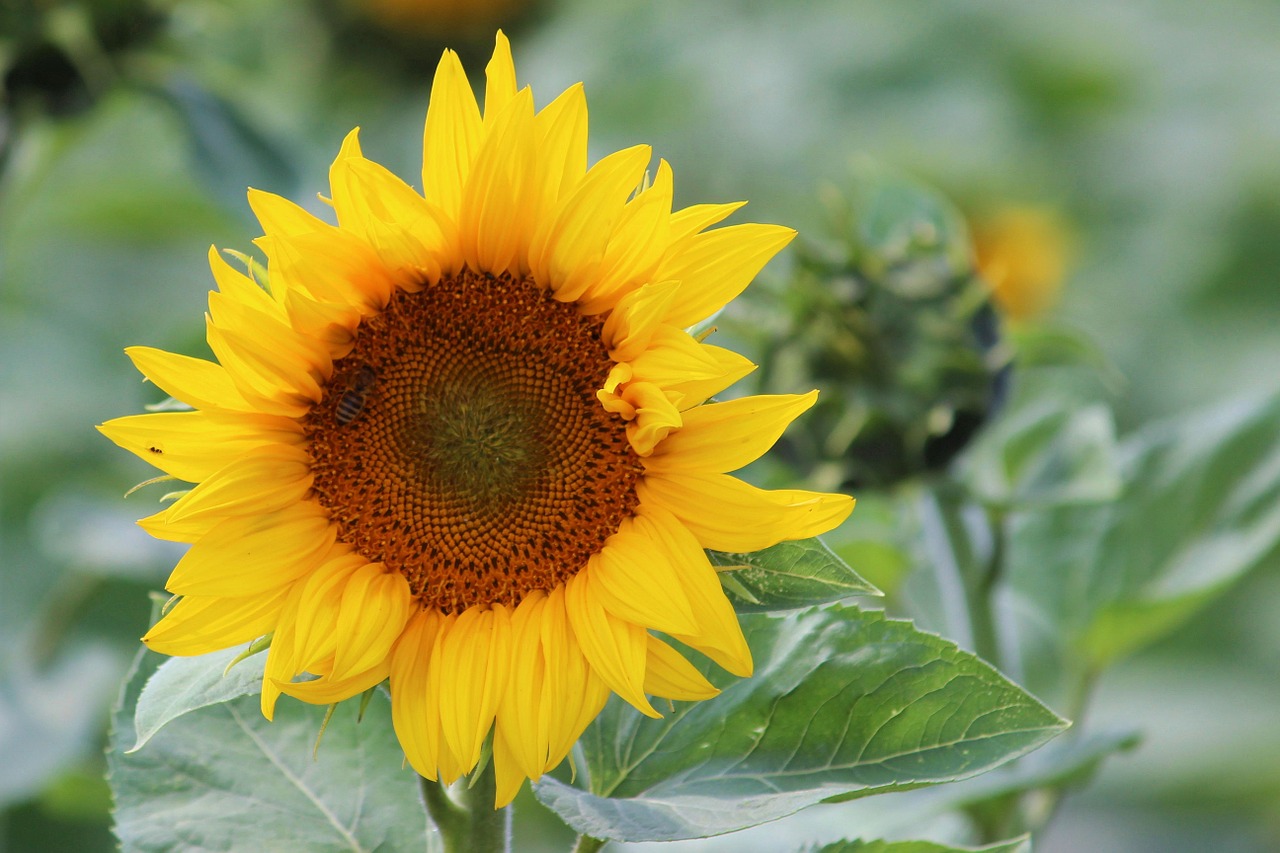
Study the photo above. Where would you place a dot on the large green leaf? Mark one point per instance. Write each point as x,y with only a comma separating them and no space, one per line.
182,685
223,779
1200,508
844,703
788,576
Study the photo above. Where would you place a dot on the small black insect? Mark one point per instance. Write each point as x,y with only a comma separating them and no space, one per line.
352,401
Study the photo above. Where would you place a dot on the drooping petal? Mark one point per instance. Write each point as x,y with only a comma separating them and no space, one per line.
574,692
415,711
719,636
614,647
522,717
375,606
305,631
669,675
624,576
474,656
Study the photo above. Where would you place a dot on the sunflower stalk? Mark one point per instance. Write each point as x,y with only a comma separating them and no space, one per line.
465,817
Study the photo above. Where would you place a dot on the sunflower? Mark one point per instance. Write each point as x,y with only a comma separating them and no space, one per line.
460,440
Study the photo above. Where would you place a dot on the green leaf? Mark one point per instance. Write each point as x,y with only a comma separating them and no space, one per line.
1017,845
1044,452
223,778
1200,508
182,685
788,576
844,703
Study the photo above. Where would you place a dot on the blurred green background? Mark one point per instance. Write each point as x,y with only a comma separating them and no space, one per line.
1149,130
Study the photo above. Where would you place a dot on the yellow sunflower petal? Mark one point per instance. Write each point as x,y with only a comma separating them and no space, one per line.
635,246
414,710
726,514
714,267
624,575
375,606
254,555
521,719
695,218
327,690
272,385
509,773
721,437
495,220
574,692
400,225
439,688
305,631
566,251
693,371
719,636
631,324
474,657
655,416
500,79
268,479
562,146
194,381
669,675
614,647
450,140
194,445
197,625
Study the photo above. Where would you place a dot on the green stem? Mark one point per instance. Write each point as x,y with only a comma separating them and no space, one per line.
587,844
982,595
467,820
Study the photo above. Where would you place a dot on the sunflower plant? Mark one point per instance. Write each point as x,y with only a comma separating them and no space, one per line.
460,460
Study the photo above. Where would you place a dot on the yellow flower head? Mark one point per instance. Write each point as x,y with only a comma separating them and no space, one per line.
461,439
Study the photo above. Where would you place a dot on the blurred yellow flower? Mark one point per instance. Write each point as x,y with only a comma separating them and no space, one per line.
460,439
1022,252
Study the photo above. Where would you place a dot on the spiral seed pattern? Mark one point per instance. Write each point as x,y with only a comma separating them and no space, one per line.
482,466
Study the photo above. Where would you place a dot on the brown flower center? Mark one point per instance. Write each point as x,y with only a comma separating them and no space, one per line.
461,442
